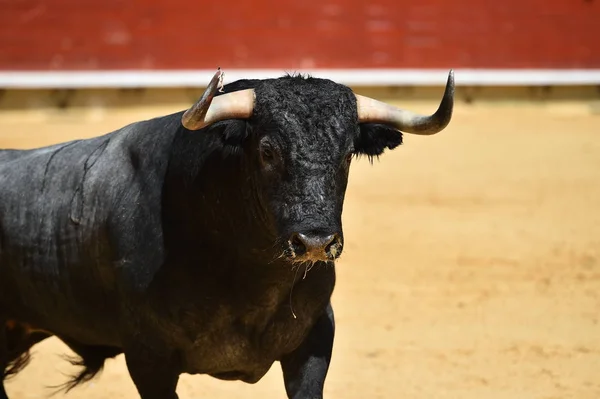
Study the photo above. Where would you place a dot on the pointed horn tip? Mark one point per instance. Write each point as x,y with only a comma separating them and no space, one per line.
449,91
446,107
450,81
193,118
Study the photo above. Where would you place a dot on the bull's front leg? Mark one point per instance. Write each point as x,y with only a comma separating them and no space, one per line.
305,369
155,375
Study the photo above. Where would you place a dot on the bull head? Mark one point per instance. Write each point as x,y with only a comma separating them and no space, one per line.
301,151
240,104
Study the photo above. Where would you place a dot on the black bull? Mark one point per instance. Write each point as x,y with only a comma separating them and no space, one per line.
197,242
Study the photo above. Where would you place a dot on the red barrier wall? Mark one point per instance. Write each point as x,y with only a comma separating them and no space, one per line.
195,34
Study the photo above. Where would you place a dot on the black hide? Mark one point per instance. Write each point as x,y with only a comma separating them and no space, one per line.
173,246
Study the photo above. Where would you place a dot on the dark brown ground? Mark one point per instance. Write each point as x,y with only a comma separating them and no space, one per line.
471,269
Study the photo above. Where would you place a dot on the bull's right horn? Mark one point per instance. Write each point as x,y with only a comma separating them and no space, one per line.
210,109
370,110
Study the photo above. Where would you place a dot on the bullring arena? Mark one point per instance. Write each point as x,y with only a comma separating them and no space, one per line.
471,264
472,259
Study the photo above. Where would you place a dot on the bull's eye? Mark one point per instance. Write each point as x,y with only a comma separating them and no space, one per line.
267,154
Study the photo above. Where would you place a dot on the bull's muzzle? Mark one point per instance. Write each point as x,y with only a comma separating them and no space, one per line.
314,247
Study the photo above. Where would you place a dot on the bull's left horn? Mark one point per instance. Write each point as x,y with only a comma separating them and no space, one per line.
370,110
210,109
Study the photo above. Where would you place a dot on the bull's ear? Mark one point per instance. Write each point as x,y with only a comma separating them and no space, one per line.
374,138
232,133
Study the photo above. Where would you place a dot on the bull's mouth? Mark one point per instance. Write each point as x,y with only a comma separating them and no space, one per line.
313,248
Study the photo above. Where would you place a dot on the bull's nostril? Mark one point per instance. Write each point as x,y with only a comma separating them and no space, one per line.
314,246
297,244
334,248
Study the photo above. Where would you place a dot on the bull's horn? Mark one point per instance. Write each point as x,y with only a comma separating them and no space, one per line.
210,109
370,110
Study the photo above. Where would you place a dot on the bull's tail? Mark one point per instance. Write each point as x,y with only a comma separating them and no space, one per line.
91,359
17,364
18,340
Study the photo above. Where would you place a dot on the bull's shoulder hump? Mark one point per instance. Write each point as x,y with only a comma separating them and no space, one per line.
137,149
140,137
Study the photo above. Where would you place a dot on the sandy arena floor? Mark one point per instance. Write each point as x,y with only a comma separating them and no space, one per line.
471,267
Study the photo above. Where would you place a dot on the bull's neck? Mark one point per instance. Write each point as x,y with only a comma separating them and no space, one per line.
210,203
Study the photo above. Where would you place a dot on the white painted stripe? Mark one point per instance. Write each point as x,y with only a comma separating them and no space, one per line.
351,77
